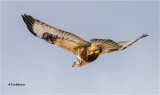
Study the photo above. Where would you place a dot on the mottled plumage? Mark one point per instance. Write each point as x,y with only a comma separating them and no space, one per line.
85,51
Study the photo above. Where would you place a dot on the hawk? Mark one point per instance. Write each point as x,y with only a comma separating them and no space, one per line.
85,51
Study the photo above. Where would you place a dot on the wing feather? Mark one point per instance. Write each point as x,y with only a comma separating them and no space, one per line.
126,44
108,45
60,38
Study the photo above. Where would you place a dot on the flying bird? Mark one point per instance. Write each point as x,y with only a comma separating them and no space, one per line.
85,51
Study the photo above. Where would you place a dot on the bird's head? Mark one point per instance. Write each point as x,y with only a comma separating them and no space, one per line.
79,63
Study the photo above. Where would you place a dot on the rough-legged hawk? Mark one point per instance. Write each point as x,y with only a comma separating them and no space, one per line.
85,51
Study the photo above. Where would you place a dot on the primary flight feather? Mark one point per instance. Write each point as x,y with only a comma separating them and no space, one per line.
85,51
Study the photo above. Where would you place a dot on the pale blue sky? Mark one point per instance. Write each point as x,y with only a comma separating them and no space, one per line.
47,69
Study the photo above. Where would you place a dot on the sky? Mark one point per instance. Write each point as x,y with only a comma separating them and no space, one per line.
47,69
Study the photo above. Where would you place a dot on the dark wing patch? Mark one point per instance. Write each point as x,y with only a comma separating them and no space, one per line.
49,37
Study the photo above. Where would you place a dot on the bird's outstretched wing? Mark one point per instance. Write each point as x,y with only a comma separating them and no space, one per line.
108,45
126,44
60,38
